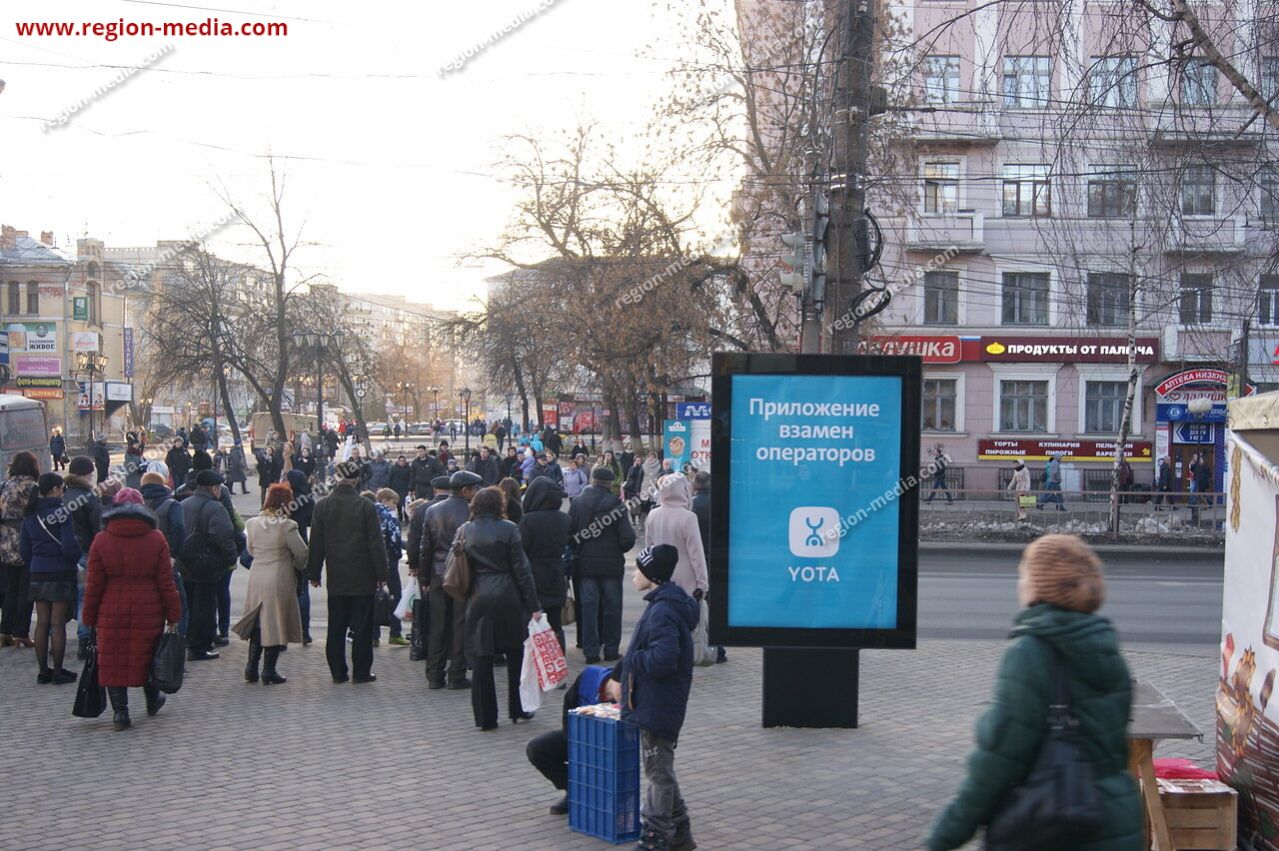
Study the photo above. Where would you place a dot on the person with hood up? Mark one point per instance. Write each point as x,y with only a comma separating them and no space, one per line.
86,516
673,522
527,465
48,545
602,536
544,532
237,468
648,487
178,460
1020,486
170,523
1060,588
128,599
377,473
576,477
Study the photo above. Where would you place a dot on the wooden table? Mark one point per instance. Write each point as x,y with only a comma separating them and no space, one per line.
1154,717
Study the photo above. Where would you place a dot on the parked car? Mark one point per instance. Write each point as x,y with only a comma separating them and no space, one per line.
419,428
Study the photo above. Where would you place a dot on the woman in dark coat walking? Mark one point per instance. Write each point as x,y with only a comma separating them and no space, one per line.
1060,587
301,509
237,469
128,598
58,449
544,532
501,602
52,553
400,480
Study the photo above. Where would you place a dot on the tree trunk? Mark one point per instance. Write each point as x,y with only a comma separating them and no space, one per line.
1125,421
224,392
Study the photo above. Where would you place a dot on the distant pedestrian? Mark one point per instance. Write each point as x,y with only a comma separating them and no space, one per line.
388,503
1125,481
602,535
1020,487
941,462
1057,635
52,554
401,481
673,522
178,460
237,468
58,448
576,477
102,458
1052,485
1164,485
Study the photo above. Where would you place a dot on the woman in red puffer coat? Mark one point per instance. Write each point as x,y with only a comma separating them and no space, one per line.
128,597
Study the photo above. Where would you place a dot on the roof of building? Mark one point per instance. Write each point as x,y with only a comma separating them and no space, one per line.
28,251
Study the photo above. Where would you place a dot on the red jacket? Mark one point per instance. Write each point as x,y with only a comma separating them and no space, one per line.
129,595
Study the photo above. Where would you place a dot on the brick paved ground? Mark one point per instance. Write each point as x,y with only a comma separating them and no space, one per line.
314,765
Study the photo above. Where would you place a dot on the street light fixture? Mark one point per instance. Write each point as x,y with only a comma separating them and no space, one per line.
435,401
466,402
318,344
92,364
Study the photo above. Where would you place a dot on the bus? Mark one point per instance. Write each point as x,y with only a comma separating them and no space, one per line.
23,427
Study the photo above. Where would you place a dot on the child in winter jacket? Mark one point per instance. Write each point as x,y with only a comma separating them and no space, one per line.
652,682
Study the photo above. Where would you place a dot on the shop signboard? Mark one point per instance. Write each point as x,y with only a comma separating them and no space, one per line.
80,308
119,391
677,438
814,536
693,411
1000,349
1027,449
931,349
128,352
42,365
46,394
23,381
85,341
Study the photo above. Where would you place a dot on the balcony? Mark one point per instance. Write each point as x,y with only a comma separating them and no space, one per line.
962,232
1206,236
970,123
1219,125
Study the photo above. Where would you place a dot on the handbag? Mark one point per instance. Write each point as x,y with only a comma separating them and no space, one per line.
167,667
383,608
457,569
703,654
1058,805
568,613
90,697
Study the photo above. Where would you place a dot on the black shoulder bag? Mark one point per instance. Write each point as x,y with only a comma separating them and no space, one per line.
1058,806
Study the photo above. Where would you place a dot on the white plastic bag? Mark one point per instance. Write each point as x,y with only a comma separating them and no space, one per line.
530,694
548,658
703,654
404,611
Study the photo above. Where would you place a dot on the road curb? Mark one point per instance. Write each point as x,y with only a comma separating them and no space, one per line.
1182,553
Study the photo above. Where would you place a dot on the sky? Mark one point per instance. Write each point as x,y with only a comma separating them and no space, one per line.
391,166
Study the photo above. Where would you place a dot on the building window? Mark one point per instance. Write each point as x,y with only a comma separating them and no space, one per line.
1198,83
1269,206
1112,191
1026,191
1112,82
33,298
1025,298
941,187
1027,81
941,79
1268,300
15,298
1107,298
1023,406
941,298
1103,405
1198,191
1270,78
939,404
1196,299
91,291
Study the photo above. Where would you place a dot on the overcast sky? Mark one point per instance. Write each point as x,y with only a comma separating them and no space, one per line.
394,170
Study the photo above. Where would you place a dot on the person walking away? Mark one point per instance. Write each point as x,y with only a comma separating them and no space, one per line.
673,522
1020,487
237,468
301,509
388,502
446,642
422,571
1059,587
58,449
170,523
652,683
15,495
600,547
1125,481
1203,480
199,463
1163,485
648,487
178,460
129,598
544,533
206,518
401,481
86,517
271,619
941,462
514,507
634,487
498,609
49,548
102,458
347,538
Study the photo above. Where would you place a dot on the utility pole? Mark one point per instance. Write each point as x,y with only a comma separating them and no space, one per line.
856,20
1242,389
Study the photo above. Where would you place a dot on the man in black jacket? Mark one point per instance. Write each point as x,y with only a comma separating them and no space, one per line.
485,466
602,535
425,468
346,536
448,616
86,518
203,514
421,608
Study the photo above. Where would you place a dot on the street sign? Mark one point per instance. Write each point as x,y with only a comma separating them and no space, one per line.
1184,432
359,393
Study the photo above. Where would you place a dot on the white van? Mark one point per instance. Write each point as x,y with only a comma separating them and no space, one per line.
23,427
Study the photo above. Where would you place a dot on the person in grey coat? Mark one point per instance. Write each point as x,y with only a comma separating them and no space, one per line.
346,536
204,514
237,468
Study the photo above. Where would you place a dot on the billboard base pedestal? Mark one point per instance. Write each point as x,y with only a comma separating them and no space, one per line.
810,686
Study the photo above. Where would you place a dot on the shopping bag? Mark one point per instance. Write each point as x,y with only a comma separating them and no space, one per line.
568,614
383,608
90,698
168,664
530,694
457,569
703,654
1027,500
548,658
404,611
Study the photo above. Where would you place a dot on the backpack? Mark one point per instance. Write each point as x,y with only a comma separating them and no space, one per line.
200,557
164,521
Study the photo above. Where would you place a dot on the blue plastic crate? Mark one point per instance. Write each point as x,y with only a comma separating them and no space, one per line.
603,778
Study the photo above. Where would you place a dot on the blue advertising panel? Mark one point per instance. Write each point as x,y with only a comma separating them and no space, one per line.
677,441
692,410
814,536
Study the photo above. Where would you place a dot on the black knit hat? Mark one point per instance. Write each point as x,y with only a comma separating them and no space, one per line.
201,461
81,465
602,474
658,563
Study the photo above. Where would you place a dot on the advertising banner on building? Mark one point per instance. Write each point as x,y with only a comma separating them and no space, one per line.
36,365
692,410
932,349
551,414
677,438
119,391
128,352
98,397
24,381
45,394
32,337
994,449
86,341
1066,349
814,534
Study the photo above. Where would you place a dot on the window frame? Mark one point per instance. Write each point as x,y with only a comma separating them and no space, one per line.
948,63
1183,290
1113,179
1085,373
1268,194
940,184
1268,72
1268,294
924,319
1038,176
13,299
33,298
1189,84
1115,281
1046,399
1021,68
1004,275
955,381
93,292
1197,169
1120,90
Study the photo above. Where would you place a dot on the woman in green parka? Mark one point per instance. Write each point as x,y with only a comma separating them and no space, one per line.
1060,587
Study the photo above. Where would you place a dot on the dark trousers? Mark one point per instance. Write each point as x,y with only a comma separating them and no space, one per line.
355,614
575,580
484,692
184,621
417,633
600,620
119,696
448,631
549,755
663,807
553,617
395,589
224,604
203,597
16,617
939,484
304,604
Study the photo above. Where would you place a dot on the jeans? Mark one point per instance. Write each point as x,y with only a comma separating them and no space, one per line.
304,605
204,615
184,623
549,754
601,617
356,614
484,692
939,484
663,807
224,605
1051,494
16,617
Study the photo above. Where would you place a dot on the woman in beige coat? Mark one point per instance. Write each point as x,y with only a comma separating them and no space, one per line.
1020,486
271,616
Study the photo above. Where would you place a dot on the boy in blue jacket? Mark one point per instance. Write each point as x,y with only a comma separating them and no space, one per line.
652,683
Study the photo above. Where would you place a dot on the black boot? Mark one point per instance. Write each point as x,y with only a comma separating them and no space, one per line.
269,676
255,654
119,697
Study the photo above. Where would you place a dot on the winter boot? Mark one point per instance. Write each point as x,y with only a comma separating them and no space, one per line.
255,655
119,697
269,676
651,840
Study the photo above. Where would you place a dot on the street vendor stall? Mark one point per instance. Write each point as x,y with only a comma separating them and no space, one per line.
1247,714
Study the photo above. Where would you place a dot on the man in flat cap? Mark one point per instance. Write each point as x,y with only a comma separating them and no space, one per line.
447,616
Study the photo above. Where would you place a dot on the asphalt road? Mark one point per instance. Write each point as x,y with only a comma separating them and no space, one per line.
1151,600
